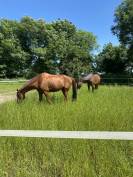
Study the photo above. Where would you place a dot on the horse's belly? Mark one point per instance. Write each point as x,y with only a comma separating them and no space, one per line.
54,89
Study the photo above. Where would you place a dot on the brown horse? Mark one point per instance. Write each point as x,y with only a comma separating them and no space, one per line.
92,80
45,83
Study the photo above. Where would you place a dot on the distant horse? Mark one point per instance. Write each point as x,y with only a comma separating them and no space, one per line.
92,80
45,83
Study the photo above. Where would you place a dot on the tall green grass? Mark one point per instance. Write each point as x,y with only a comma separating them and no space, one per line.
109,108
32,157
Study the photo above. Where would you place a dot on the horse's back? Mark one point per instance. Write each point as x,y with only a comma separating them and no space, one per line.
51,82
88,77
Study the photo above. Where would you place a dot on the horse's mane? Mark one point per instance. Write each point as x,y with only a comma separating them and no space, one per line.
31,81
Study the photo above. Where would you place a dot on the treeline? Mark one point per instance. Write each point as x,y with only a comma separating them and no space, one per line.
119,59
29,46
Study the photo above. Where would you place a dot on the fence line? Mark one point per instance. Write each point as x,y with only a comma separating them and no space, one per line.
12,81
127,81
101,135
117,78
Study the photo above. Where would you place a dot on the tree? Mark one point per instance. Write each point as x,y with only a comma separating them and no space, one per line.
123,27
79,55
112,59
75,48
12,57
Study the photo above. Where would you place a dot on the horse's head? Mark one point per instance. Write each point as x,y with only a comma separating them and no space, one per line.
19,96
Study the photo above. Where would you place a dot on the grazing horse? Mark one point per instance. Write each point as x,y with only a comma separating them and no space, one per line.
92,80
45,83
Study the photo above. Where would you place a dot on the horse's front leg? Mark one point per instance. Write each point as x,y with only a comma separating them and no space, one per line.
40,95
23,96
88,84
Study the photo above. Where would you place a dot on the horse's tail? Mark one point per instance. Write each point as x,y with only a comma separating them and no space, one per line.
74,89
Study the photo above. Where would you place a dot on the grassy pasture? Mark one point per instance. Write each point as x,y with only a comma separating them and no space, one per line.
109,108
9,87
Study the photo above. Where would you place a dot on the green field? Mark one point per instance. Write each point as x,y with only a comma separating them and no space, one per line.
9,87
109,108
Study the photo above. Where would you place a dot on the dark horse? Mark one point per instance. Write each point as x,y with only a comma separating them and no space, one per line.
45,83
92,80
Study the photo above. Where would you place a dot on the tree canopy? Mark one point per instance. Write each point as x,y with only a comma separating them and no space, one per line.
123,26
119,59
30,46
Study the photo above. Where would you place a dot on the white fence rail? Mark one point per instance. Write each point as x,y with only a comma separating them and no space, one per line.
101,135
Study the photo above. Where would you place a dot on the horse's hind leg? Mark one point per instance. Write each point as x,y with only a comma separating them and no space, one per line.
65,91
47,97
96,86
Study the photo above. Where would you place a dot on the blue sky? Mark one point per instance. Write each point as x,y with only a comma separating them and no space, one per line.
91,15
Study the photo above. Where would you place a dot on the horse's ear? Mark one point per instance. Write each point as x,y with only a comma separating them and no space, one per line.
17,90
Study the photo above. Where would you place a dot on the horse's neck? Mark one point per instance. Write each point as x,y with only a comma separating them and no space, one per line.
30,85
88,76
27,88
